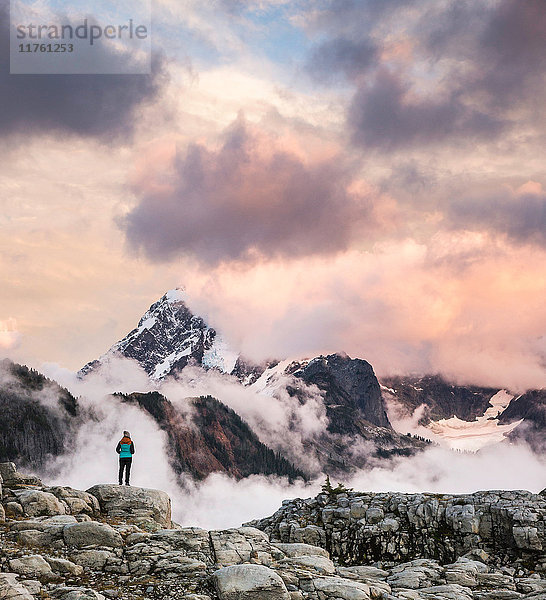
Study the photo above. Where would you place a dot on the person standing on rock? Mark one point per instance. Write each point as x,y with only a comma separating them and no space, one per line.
125,449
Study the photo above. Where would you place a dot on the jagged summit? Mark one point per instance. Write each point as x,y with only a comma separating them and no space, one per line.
169,336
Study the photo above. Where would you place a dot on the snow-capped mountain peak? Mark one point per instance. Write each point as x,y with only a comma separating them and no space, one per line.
168,336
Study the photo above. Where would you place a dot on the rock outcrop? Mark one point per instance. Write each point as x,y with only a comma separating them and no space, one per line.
358,528
93,550
133,504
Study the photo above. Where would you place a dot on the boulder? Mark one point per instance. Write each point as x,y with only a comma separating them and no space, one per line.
62,565
336,587
91,533
14,510
249,582
363,572
193,541
10,589
177,562
420,573
465,572
320,564
36,503
133,503
235,546
446,592
293,550
77,502
8,471
31,566
33,538
93,559
12,479
77,593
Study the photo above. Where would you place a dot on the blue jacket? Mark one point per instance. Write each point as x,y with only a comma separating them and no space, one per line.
125,448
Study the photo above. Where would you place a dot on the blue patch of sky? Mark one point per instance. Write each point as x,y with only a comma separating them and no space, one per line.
266,33
273,35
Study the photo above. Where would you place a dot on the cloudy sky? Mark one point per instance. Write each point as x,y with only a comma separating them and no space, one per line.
328,175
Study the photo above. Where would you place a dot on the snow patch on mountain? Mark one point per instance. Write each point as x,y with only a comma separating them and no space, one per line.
474,435
274,377
470,436
176,295
164,367
220,356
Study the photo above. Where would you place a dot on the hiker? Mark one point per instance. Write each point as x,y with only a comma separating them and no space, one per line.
125,449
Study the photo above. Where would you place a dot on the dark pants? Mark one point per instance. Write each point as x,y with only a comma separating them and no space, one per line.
124,463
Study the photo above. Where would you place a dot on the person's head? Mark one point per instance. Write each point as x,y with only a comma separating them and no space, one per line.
126,434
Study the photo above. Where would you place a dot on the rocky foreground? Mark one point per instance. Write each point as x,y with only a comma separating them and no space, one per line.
119,542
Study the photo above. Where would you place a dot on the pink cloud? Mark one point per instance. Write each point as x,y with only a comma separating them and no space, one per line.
477,321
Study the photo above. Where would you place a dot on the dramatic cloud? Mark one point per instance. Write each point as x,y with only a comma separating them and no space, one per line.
104,106
382,115
504,42
452,306
250,198
520,214
350,57
446,72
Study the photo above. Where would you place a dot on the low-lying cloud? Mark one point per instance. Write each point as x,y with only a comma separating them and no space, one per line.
221,502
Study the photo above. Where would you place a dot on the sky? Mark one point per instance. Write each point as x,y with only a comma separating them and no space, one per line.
333,175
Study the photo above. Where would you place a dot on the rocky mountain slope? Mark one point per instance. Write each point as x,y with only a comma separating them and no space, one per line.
350,390
119,542
358,431
38,417
168,337
213,439
490,413
440,398
531,407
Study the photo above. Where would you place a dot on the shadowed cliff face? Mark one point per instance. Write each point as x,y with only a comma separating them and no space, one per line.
351,391
213,439
38,417
531,407
442,399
